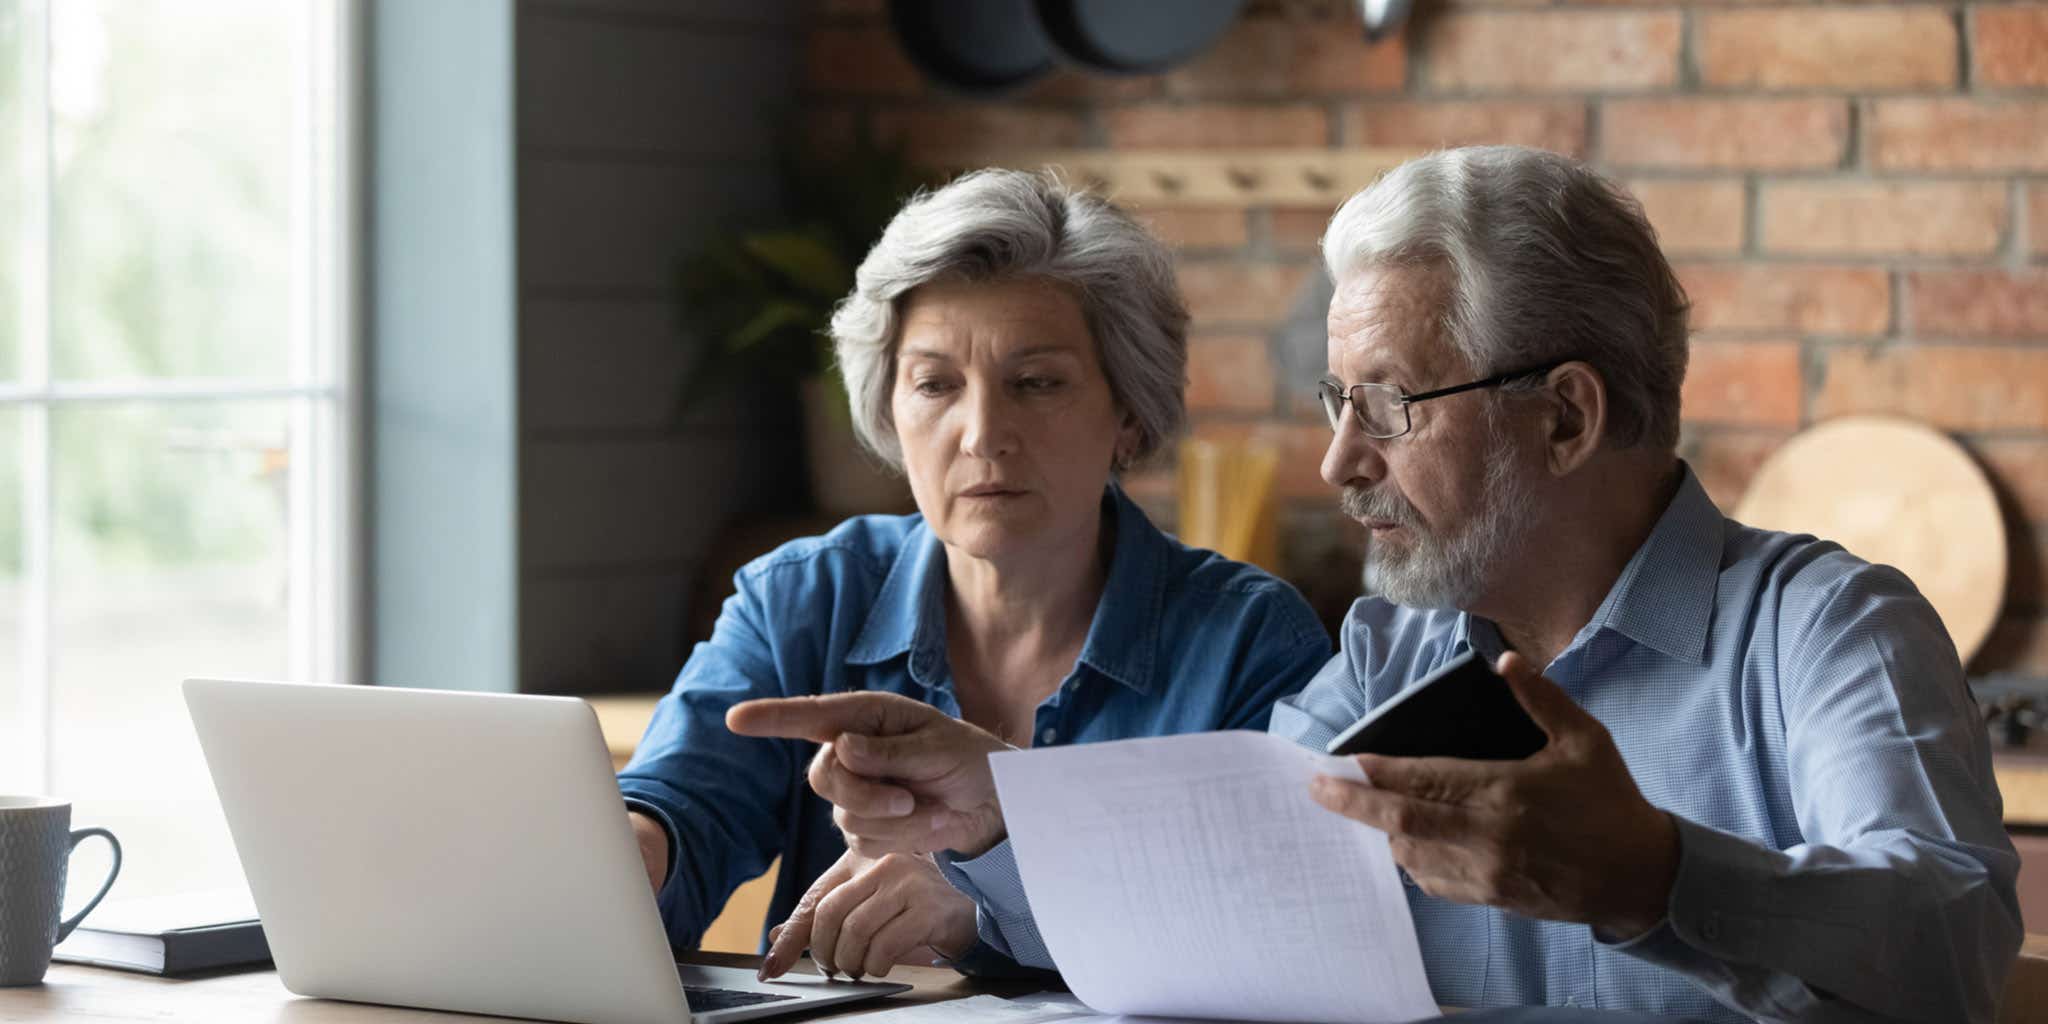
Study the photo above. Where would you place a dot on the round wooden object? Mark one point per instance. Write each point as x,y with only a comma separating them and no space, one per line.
1899,493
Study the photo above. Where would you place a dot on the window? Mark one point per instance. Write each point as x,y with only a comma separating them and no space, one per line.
175,422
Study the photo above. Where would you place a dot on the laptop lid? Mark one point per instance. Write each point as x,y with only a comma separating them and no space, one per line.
454,851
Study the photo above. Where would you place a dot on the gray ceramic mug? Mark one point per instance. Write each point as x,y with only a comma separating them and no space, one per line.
36,840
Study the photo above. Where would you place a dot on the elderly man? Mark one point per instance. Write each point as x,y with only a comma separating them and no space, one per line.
1765,793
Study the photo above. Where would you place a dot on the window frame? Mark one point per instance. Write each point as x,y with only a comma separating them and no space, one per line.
325,410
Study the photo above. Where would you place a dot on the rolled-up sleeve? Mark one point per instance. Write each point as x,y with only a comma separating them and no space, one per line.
720,797
1900,902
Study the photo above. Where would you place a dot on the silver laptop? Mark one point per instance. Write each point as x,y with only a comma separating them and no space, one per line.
456,851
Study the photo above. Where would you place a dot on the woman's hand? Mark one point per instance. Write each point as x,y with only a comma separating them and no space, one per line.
862,917
902,776
653,843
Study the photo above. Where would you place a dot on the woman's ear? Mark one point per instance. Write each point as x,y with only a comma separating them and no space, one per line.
1128,437
1578,416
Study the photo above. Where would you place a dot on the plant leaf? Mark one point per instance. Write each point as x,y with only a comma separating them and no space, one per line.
773,317
805,259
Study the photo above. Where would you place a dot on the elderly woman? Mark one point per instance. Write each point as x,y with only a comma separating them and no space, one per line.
1011,345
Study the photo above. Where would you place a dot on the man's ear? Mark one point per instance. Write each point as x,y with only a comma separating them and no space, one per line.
1577,418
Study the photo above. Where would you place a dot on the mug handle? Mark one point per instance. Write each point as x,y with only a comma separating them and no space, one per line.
64,927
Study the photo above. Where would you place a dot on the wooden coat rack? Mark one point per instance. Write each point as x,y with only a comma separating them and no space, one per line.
1224,177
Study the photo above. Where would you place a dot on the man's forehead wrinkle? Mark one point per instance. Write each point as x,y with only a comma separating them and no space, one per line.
1393,315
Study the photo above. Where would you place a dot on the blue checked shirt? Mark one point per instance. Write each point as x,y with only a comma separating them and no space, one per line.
1803,717
1182,640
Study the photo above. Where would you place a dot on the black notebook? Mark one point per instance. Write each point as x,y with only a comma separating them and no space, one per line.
170,934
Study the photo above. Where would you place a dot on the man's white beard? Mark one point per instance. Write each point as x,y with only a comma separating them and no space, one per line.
1431,572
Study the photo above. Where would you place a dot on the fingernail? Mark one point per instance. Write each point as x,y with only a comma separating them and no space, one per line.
901,804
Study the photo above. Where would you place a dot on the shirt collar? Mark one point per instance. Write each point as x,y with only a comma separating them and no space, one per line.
1664,598
909,613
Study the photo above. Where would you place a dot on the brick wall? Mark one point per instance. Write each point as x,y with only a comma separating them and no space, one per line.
1855,196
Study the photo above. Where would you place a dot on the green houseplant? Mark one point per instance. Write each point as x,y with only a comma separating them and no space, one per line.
761,298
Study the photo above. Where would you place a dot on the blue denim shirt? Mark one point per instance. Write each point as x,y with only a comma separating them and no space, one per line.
1802,716
1182,640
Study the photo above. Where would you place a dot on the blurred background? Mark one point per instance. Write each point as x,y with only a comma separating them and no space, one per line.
375,340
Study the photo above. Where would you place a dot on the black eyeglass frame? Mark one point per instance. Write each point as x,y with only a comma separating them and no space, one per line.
1330,387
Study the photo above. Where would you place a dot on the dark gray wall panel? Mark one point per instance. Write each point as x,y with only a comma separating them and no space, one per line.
594,224
628,85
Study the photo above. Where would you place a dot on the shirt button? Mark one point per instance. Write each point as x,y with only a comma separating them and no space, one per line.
1711,930
1048,737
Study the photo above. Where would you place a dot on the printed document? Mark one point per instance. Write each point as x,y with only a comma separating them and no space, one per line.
1194,876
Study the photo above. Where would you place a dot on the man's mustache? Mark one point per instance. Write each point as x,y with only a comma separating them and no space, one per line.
1376,506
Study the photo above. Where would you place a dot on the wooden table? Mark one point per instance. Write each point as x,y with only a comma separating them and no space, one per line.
97,994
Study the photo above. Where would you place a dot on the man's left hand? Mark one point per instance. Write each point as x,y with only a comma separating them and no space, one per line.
1562,835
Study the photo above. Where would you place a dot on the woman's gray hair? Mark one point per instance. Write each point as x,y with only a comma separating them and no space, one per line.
1546,260
999,225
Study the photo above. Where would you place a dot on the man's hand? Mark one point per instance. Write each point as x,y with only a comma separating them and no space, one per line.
1564,835
653,843
902,776
862,917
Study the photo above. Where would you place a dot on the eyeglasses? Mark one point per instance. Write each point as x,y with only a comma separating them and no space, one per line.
1382,409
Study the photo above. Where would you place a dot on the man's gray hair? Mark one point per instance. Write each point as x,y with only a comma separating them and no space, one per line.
1000,225
1546,260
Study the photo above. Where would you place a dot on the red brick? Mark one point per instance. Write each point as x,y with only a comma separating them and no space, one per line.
939,132
1781,297
1726,460
2019,470
1298,229
1884,218
859,61
869,9
1300,445
1957,135
1978,304
2008,46
1195,227
1694,217
1217,126
1291,58
1550,51
829,131
2018,644
1556,126
1743,383
1222,293
1071,84
1736,134
1816,48
1230,373
1950,386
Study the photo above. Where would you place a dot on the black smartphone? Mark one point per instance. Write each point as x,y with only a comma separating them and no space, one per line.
1463,709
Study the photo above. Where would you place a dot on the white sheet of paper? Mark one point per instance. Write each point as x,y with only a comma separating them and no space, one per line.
1194,876
979,1010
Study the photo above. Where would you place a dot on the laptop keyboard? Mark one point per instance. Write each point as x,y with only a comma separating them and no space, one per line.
704,1000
